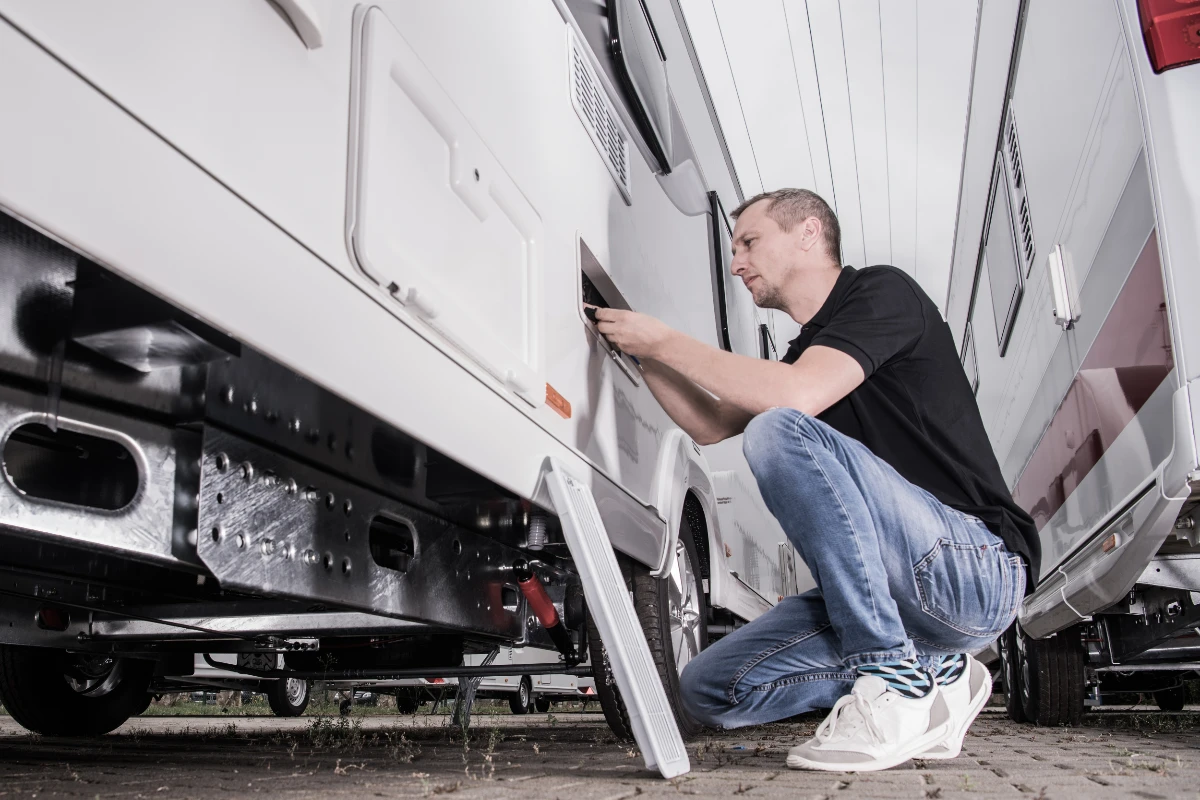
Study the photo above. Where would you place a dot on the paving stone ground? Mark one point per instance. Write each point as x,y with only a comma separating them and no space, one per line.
1135,753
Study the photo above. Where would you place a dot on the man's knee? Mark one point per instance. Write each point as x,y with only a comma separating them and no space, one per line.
702,693
763,439
770,439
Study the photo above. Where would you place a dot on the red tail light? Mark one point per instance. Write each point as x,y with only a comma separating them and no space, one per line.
1172,31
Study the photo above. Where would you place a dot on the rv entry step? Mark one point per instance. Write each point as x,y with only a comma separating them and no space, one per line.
650,717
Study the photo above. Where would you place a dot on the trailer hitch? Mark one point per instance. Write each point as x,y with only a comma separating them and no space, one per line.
543,608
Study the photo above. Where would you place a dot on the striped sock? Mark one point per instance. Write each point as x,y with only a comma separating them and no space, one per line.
949,669
906,677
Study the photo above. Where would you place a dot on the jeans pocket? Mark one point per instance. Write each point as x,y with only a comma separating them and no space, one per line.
970,588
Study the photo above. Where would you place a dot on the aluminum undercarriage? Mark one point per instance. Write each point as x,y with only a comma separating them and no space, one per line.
168,489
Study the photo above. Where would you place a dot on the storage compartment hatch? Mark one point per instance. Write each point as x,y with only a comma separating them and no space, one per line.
436,221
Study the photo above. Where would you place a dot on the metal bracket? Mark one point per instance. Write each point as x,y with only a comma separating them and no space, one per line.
271,525
465,698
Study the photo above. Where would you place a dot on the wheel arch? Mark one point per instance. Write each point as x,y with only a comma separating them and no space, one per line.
683,485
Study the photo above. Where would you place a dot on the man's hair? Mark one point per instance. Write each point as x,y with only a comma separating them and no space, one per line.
789,207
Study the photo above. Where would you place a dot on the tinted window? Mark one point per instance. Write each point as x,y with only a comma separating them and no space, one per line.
737,316
1003,263
642,73
970,364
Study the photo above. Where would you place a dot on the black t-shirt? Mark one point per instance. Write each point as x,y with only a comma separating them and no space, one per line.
916,409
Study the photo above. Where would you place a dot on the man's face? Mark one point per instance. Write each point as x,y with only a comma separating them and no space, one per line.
763,254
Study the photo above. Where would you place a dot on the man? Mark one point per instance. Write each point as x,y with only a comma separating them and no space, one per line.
869,449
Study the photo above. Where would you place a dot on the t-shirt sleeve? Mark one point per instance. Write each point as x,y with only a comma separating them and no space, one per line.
879,317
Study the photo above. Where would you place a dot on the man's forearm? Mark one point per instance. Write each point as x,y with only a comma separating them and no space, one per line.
820,378
698,413
753,385
745,386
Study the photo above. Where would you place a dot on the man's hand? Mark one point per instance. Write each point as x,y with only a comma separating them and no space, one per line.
638,335
729,389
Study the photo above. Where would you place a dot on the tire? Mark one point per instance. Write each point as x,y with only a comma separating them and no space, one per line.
542,704
519,701
1051,677
140,706
288,697
1172,699
56,693
407,702
673,613
1010,671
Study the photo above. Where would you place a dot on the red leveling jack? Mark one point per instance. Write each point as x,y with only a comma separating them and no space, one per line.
543,608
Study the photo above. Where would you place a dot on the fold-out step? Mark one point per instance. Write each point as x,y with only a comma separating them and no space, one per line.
650,716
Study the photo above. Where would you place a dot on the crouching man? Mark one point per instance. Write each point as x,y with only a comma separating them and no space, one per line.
869,449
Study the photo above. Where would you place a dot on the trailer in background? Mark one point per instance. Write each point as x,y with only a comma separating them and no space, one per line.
1075,265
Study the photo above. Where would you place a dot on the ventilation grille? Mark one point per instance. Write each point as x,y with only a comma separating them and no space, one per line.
1014,153
598,117
1016,177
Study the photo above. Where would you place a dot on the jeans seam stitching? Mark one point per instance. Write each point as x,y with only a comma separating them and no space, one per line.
765,654
842,506
812,676
926,606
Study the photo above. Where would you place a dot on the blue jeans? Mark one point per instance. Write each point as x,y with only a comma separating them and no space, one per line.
899,575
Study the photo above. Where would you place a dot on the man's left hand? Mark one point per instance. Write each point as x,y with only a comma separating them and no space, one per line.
639,335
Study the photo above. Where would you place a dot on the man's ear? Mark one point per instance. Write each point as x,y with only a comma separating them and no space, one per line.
810,233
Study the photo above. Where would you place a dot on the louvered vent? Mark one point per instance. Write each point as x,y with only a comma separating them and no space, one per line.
1016,177
599,117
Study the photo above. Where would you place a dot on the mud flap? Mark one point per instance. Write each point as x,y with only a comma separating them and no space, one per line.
650,716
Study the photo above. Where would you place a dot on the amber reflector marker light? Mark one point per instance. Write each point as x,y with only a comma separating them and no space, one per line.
1172,32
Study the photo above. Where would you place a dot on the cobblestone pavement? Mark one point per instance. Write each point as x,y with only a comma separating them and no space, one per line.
1119,754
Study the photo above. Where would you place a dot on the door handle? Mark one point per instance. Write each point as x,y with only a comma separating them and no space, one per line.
304,19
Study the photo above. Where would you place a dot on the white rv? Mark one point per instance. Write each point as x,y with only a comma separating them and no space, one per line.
1075,264
292,327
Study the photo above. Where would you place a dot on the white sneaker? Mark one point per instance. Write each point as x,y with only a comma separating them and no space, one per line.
873,728
965,698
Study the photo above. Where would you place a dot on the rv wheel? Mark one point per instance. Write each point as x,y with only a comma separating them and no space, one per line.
288,697
1051,677
408,701
519,703
1010,671
56,693
674,617
1172,699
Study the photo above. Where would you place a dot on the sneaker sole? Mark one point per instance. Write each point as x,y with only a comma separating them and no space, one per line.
953,745
934,735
